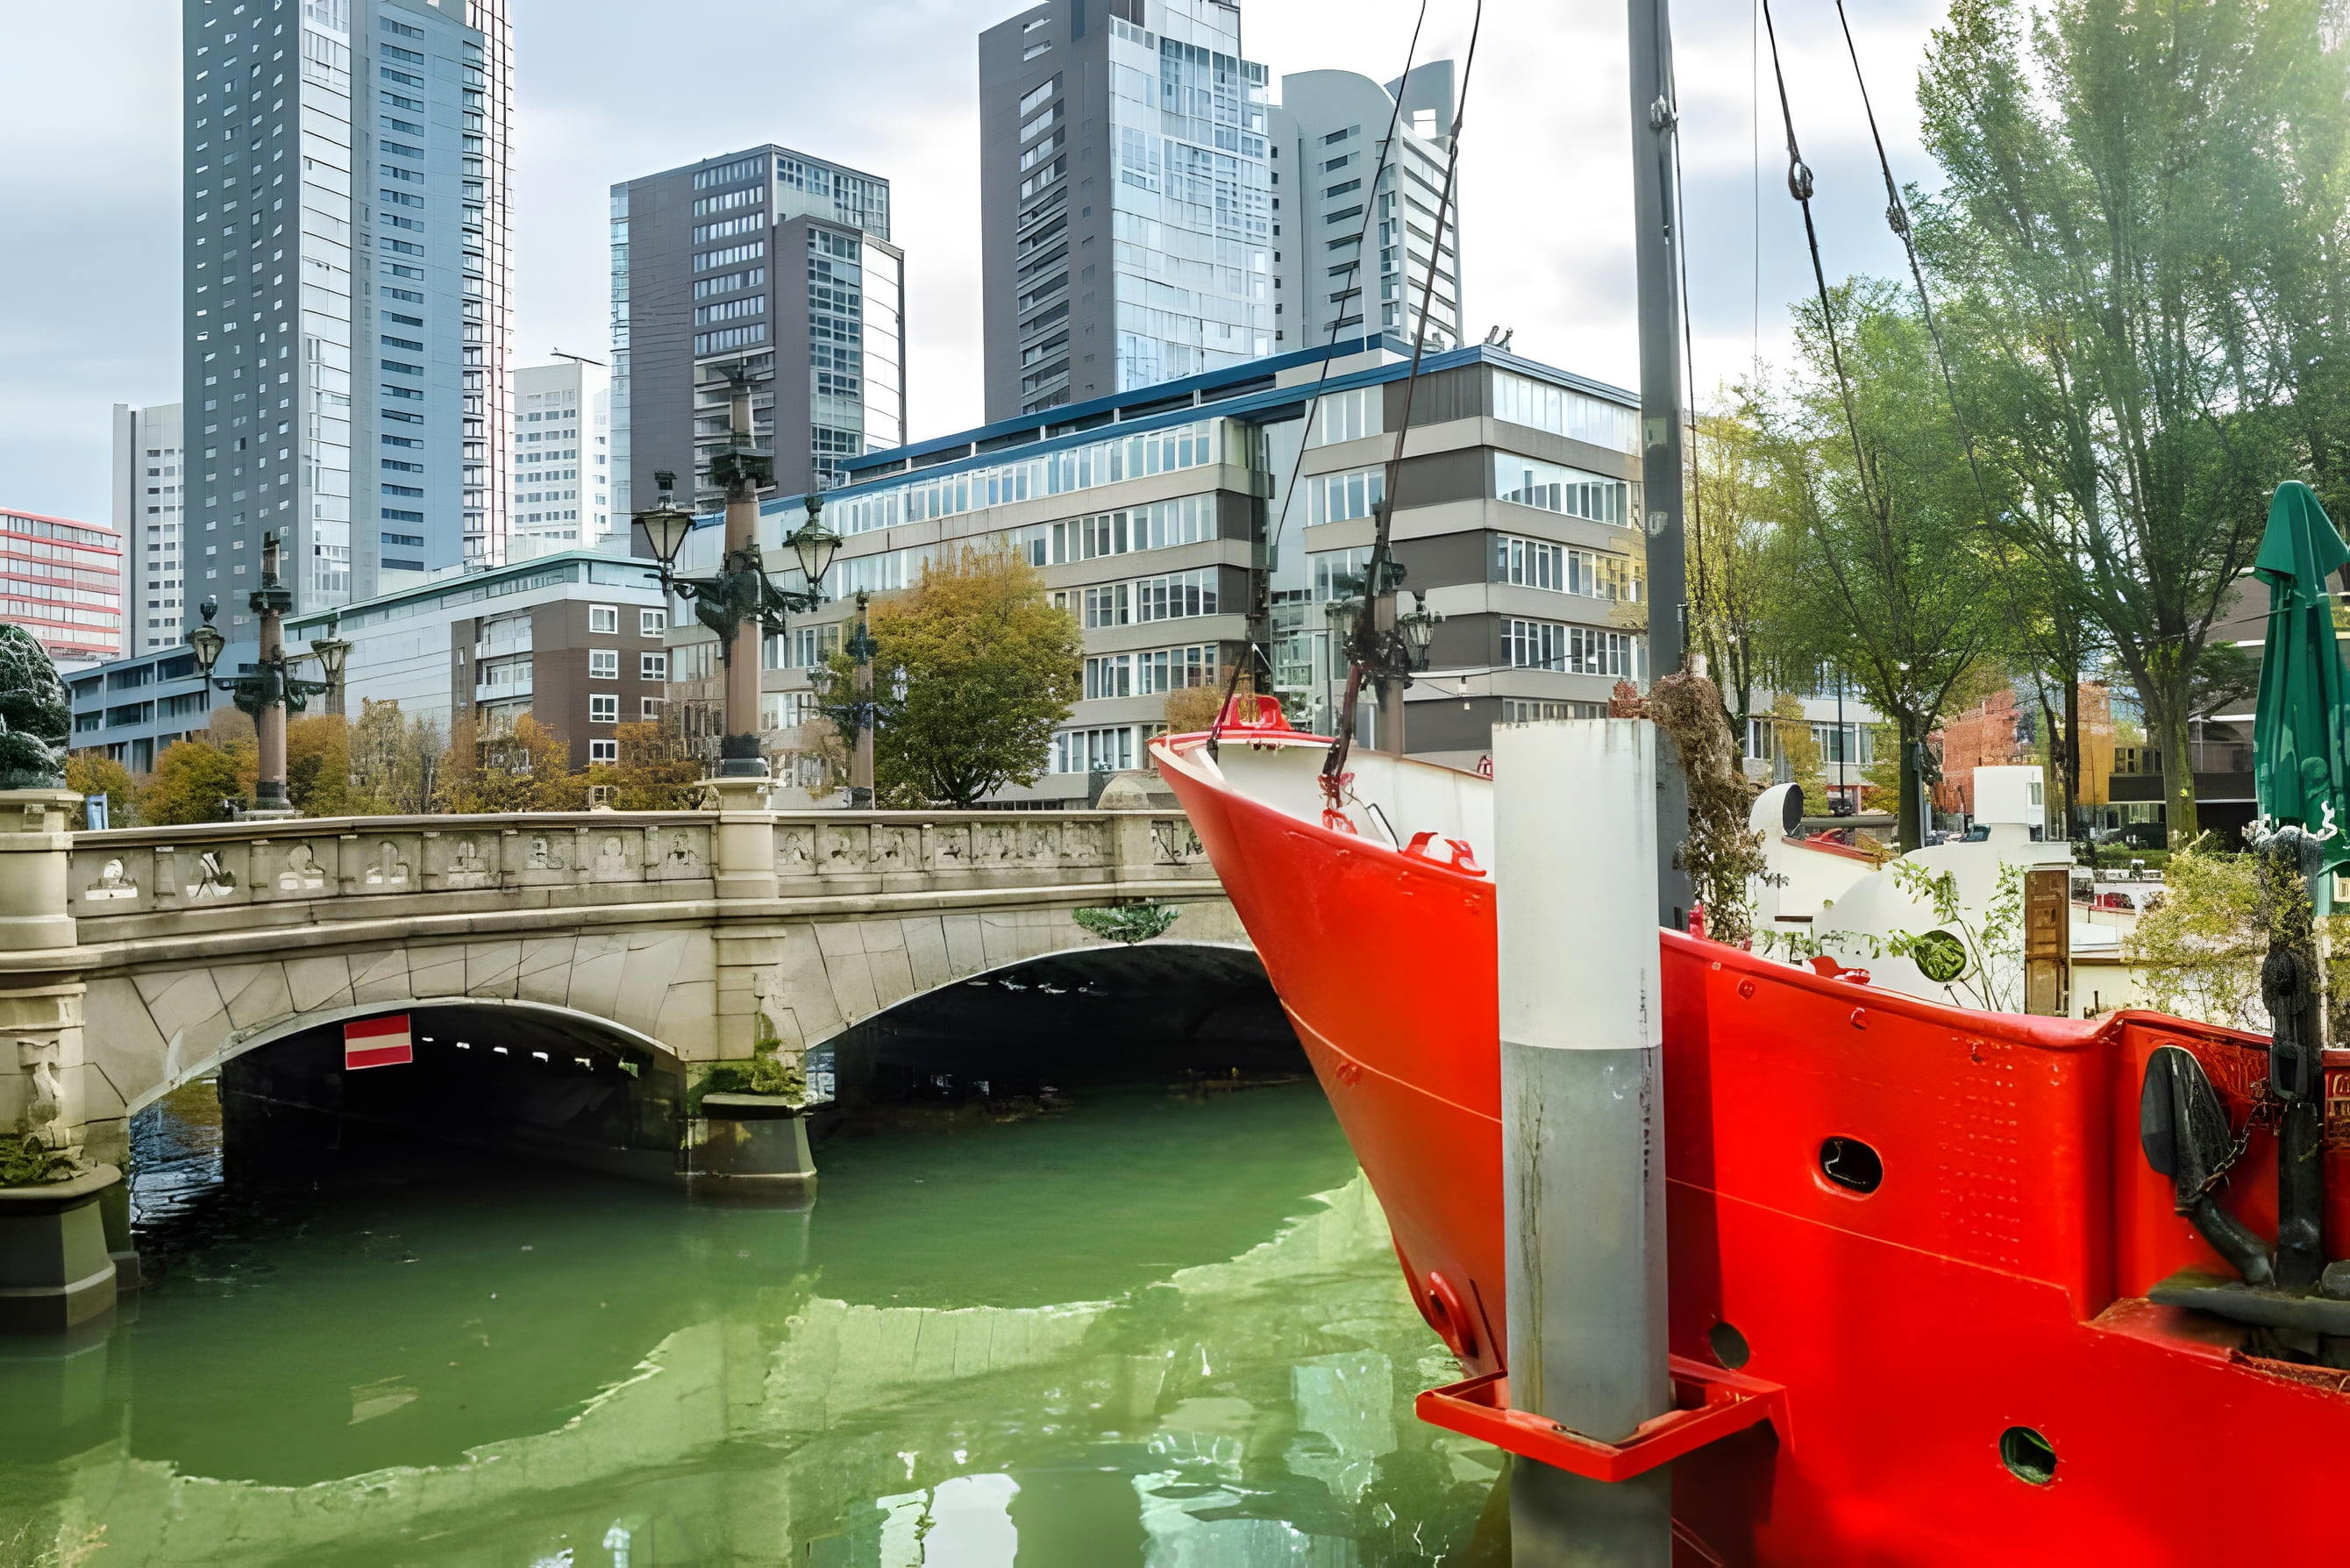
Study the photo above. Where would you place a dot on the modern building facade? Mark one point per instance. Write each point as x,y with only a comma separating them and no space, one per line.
769,260
561,436
149,482
346,290
574,639
1360,208
1160,517
565,638
62,581
1128,199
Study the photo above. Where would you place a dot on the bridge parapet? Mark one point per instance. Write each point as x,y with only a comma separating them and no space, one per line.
128,884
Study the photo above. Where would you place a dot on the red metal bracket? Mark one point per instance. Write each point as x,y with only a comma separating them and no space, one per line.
1711,1404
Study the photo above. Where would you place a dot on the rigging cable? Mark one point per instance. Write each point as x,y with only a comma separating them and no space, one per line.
1897,218
1799,186
1263,577
1333,765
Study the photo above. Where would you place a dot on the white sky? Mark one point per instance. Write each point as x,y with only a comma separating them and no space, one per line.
609,89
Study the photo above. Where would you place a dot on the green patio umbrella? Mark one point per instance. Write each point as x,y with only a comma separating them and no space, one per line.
2300,732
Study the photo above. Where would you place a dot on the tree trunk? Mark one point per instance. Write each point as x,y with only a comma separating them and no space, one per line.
2072,746
1910,831
2177,768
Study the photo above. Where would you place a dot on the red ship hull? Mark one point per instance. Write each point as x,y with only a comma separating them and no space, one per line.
1995,1280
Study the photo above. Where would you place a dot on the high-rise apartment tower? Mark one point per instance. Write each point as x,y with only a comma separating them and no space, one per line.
1128,199
149,485
771,260
1360,212
562,497
347,279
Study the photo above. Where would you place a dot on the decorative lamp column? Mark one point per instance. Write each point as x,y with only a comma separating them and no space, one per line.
270,602
743,469
862,648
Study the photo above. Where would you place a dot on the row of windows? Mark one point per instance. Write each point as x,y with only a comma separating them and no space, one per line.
1554,487
604,664
1078,468
1563,570
730,256
729,337
1573,649
1151,674
607,619
749,278
1186,520
1171,596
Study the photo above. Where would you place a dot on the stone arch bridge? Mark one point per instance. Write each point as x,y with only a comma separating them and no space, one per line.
134,960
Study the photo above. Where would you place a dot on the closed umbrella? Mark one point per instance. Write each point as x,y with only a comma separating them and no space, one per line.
2301,731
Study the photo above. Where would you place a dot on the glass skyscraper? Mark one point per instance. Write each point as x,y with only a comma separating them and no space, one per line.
347,279
1126,186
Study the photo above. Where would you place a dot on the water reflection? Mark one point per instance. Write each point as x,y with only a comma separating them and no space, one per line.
1151,1332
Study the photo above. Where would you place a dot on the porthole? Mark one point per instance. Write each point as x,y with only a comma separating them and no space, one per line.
1851,1165
1939,957
1729,1346
2028,1456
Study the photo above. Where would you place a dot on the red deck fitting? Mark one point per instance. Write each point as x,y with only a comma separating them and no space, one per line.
1712,1404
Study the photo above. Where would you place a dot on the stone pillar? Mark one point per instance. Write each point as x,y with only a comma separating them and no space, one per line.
55,1271
743,842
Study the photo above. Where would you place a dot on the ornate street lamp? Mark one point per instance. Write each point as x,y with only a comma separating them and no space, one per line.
1379,646
332,652
739,594
272,690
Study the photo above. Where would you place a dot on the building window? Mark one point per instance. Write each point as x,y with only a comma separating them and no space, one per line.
603,707
604,618
1109,750
651,622
1340,497
652,667
1530,482
1573,649
604,664
603,751
1347,416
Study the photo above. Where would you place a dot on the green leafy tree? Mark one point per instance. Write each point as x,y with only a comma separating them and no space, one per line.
2095,157
976,670
1894,584
1740,563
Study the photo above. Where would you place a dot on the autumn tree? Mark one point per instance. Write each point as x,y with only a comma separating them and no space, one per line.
976,668
657,770
95,773
394,760
516,767
1739,561
196,781
318,765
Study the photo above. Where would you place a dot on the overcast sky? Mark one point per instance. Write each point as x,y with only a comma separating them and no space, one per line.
609,89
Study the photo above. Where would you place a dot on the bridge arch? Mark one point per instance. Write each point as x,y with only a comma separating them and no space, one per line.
1091,1015
244,1042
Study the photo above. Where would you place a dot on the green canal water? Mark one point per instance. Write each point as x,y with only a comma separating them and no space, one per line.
1150,1329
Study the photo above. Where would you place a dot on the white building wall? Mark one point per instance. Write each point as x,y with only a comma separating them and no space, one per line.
559,433
1360,216
149,509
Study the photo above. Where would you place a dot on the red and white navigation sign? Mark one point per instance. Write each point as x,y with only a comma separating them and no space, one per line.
377,1043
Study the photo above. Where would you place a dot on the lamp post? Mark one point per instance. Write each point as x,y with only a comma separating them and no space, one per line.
1390,647
862,648
272,690
739,595
332,652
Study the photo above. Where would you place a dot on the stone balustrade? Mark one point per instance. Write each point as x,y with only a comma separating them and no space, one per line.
128,884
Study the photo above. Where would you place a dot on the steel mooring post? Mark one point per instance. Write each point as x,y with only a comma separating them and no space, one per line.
1582,1127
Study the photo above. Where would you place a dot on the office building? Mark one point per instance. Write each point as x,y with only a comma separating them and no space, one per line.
62,581
346,278
1361,211
1128,199
573,639
148,486
1149,516
562,496
771,261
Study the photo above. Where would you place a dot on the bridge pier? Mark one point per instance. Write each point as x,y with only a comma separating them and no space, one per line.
56,1235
